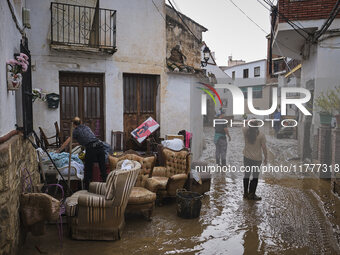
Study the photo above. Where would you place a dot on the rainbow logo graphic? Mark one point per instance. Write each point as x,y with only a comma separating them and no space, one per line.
209,93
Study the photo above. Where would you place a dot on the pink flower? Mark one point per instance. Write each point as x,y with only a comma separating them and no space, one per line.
12,62
23,55
22,60
24,67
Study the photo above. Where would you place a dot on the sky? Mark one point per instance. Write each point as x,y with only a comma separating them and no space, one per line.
229,31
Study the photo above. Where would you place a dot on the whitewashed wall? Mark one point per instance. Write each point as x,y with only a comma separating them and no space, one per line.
141,48
182,109
9,44
251,80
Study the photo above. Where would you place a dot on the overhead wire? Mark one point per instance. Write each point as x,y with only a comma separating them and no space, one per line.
184,23
231,1
328,22
259,1
263,30
291,23
159,11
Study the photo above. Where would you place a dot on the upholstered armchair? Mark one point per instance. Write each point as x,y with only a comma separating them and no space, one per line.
140,200
167,179
98,214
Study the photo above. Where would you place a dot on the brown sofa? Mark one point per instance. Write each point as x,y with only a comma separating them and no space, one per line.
140,200
167,179
98,214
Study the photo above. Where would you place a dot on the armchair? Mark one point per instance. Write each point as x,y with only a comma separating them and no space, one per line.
167,179
140,200
98,214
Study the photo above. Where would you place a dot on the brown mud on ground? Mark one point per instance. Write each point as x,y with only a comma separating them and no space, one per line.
297,215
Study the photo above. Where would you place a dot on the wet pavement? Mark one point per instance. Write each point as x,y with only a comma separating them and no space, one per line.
297,215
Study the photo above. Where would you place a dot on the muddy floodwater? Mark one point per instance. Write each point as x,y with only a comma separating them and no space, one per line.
298,214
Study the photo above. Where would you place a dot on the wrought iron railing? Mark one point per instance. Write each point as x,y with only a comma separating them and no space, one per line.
84,26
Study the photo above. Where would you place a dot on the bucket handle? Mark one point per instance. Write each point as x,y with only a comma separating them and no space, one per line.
184,190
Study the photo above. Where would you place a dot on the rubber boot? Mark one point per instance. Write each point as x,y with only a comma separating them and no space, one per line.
224,162
245,187
252,189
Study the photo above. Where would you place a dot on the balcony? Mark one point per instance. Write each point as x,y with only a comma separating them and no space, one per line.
83,28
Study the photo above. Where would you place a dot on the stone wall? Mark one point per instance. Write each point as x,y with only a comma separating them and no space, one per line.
16,154
178,34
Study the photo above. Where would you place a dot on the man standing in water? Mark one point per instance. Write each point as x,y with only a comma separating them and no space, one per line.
254,146
220,140
94,150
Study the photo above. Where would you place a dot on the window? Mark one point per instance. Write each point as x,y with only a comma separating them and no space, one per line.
245,92
257,92
233,75
245,73
278,65
256,71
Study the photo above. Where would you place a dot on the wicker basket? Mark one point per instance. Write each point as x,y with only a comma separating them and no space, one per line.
38,207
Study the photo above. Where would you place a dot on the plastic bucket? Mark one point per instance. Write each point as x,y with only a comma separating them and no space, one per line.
188,204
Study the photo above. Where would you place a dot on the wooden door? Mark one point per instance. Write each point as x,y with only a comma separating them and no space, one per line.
140,92
81,94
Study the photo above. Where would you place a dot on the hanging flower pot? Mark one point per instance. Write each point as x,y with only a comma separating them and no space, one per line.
325,118
14,81
15,68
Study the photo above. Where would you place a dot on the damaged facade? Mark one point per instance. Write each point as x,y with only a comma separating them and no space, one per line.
182,99
108,68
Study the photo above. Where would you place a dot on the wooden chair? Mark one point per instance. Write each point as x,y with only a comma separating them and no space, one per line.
45,139
117,141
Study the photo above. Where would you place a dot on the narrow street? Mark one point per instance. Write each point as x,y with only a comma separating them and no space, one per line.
295,216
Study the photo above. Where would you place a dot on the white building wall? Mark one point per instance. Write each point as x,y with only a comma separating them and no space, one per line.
141,45
251,80
9,44
222,78
327,75
182,109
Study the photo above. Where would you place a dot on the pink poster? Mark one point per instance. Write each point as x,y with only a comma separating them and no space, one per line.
145,129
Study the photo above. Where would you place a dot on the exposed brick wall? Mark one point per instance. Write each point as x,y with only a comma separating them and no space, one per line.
15,154
305,9
178,34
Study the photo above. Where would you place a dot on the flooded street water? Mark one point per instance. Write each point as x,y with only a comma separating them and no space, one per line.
297,215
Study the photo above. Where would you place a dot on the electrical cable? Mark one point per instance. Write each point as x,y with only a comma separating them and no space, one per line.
328,22
183,21
17,25
160,13
231,1
282,44
291,23
263,5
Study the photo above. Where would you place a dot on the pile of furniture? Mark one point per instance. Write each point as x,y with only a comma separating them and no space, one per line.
98,214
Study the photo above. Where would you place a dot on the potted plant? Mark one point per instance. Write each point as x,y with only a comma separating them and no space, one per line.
15,68
326,109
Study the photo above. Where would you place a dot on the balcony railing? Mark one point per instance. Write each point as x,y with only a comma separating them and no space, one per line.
83,27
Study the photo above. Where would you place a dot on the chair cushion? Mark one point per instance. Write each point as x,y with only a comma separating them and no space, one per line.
147,164
162,181
72,203
140,195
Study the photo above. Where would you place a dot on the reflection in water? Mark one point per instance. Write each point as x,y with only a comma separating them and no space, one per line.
288,220
251,241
